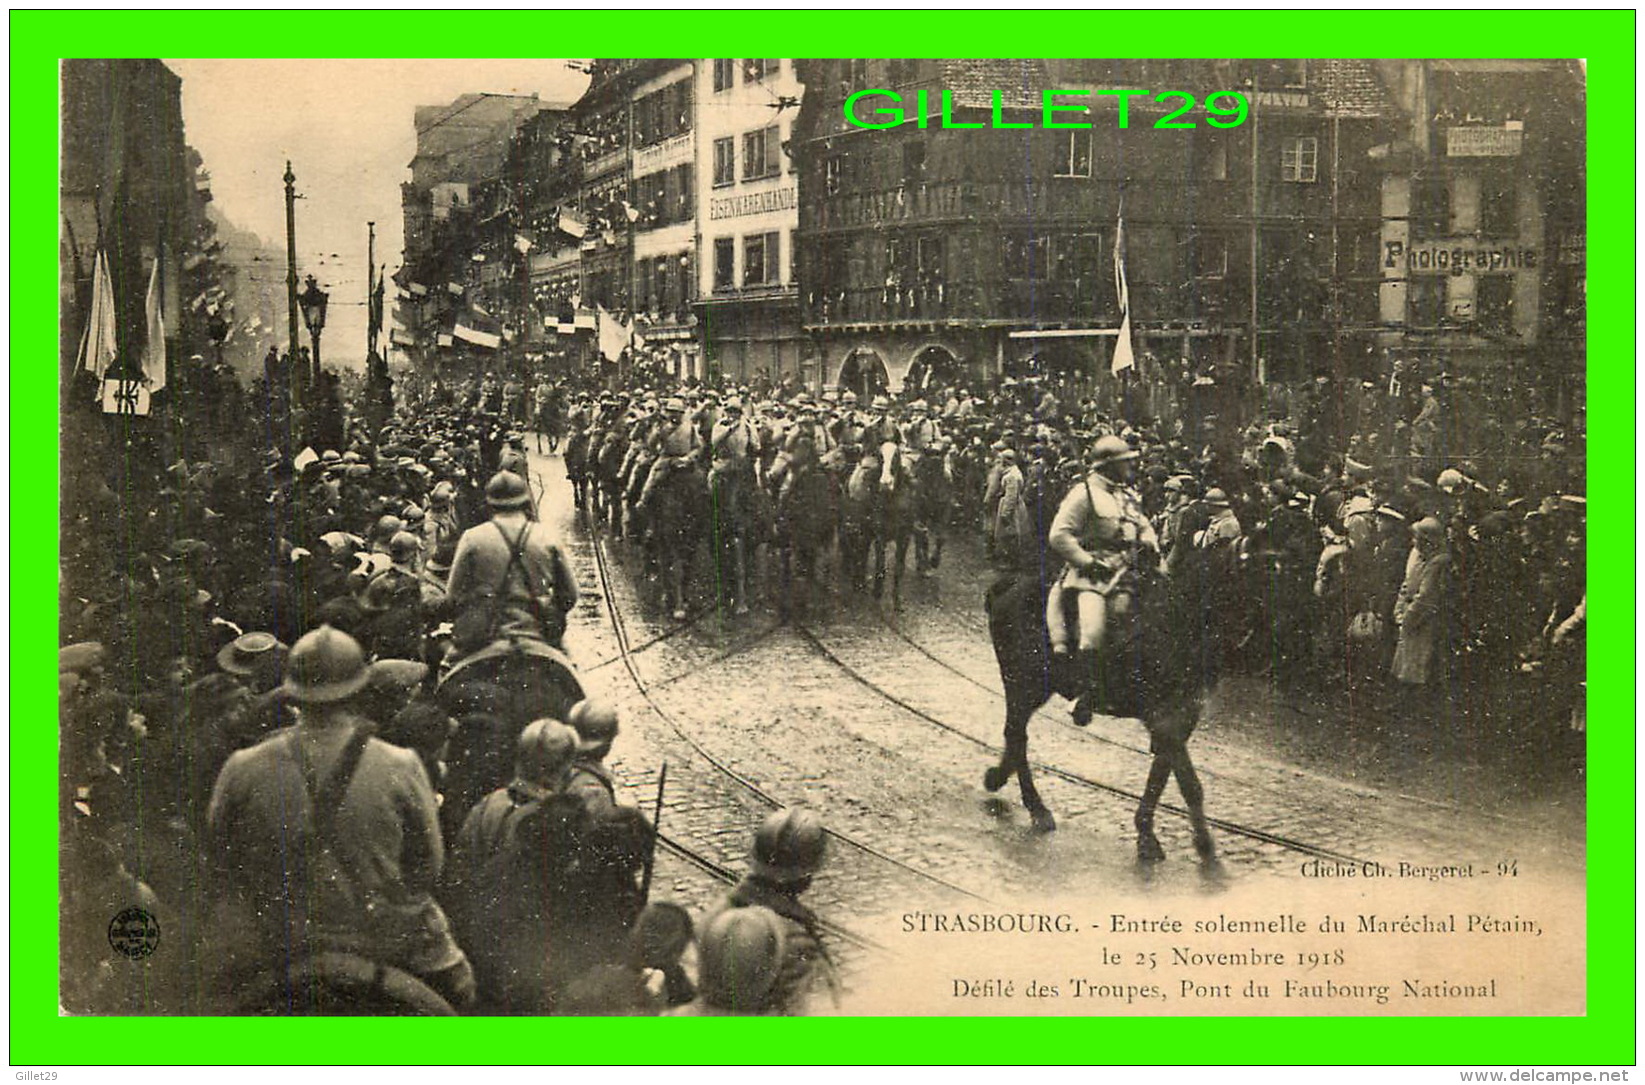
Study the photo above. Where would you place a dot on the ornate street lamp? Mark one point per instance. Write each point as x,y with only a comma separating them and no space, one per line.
313,300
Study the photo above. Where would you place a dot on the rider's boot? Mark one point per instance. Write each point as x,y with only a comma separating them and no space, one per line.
1086,705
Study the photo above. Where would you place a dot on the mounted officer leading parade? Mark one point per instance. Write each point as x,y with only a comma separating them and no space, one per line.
611,678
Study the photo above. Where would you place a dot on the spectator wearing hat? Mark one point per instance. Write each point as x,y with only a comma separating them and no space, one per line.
256,659
1011,538
329,839
1422,608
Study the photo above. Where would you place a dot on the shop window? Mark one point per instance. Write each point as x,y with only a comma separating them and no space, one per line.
725,161
1494,302
1427,301
1214,165
723,74
725,260
913,160
1210,256
833,174
1431,217
1498,206
760,259
1027,257
1299,159
762,153
1074,154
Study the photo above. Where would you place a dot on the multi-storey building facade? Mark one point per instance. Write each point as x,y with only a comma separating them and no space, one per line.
747,214
1483,219
928,251
452,205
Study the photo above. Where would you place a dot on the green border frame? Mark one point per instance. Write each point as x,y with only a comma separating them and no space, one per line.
39,1036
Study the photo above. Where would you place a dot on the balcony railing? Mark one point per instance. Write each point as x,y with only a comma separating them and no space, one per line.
942,201
995,299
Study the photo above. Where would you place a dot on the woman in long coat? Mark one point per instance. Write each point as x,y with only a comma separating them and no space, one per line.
1422,609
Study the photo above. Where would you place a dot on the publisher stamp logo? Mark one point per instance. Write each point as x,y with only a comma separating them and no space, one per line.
134,934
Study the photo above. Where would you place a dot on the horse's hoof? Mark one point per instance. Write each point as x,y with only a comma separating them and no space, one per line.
1149,850
1204,847
1083,711
995,778
1043,821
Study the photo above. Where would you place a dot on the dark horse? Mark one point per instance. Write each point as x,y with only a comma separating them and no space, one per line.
1158,666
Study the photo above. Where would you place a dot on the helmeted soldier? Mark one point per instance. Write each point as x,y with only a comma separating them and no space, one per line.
675,443
788,850
848,428
734,448
329,837
881,426
741,951
1103,535
509,871
509,578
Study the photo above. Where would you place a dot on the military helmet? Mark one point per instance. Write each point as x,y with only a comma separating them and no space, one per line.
849,399
595,722
789,845
1451,481
881,403
1111,449
387,526
325,666
919,406
674,405
404,546
545,749
741,957
734,404
506,490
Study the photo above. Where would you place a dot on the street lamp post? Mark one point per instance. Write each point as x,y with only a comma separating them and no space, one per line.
313,301
291,282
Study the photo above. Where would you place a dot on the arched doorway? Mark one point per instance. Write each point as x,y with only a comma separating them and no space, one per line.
933,368
864,373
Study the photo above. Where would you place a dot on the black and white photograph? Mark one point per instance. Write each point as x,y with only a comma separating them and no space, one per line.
709,537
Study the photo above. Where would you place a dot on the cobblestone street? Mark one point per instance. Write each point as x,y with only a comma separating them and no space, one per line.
883,721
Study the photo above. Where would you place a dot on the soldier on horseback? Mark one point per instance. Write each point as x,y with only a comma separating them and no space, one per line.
675,442
733,447
880,426
1103,535
923,443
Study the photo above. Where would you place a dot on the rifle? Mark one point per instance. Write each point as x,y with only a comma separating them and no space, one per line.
656,828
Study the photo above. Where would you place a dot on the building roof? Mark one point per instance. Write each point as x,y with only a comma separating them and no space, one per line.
974,82
1349,88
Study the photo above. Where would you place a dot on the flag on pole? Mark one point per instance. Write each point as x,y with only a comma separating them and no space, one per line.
97,345
614,335
374,309
154,346
1123,358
